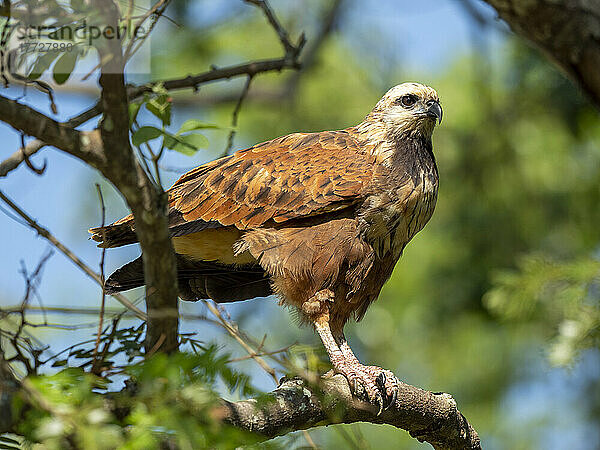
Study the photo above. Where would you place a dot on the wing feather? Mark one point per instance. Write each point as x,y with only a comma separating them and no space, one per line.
291,177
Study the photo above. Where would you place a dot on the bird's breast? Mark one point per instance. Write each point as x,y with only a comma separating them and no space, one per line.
395,214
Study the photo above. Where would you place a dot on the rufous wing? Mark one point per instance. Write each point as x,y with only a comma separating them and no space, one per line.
291,177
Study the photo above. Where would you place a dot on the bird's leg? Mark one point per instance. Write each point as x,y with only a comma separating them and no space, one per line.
385,379
370,380
344,346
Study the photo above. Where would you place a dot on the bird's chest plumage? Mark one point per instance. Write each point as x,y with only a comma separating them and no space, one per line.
402,201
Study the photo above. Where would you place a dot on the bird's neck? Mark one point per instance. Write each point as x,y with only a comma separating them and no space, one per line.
389,143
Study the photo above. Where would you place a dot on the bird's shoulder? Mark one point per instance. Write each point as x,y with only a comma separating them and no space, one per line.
291,152
289,177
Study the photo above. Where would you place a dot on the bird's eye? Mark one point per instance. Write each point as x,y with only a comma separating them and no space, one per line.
407,100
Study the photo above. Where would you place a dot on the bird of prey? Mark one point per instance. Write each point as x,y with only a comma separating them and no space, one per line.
319,219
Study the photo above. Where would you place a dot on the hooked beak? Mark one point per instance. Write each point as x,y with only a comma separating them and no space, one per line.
434,110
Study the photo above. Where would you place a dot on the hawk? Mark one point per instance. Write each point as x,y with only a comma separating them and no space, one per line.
319,219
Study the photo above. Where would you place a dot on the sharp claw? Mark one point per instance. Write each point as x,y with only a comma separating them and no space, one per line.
393,399
358,388
380,380
354,386
379,401
381,391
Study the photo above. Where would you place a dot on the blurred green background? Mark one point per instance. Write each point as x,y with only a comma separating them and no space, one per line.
496,301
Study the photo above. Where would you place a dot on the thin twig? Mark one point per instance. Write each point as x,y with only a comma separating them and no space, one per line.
157,9
259,353
13,161
283,35
234,332
96,362
69,254
234,116
309,439
102,277
34,169
216,74
32,147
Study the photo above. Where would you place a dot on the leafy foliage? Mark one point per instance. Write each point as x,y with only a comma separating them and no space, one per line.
561,297
186,140
175,401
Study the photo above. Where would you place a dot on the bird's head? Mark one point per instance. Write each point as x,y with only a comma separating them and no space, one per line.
409,109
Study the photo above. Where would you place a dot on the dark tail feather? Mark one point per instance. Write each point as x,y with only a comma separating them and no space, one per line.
199,280
130,276
114,235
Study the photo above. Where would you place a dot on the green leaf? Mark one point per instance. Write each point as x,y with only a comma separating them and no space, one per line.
161,108
194,124
42,64
60,363
134,109
187,144
196,140
64,66
145,134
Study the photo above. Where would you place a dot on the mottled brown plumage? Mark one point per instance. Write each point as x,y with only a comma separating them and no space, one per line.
320,219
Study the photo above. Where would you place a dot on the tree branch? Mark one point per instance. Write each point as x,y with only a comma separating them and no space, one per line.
215,74
69,254
85,145
32,147
427,416
568,32
234,116
270,15
108,150
295,405
147,200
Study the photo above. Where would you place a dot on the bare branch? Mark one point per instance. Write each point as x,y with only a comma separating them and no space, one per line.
234,116
13,161
32,147
310,52
102,277
295,405
283,35
68,253
157,10
85,145
427,416
193,81
232,329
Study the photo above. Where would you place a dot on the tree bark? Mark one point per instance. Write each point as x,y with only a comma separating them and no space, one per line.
295,405
147,201
567,32
427,416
